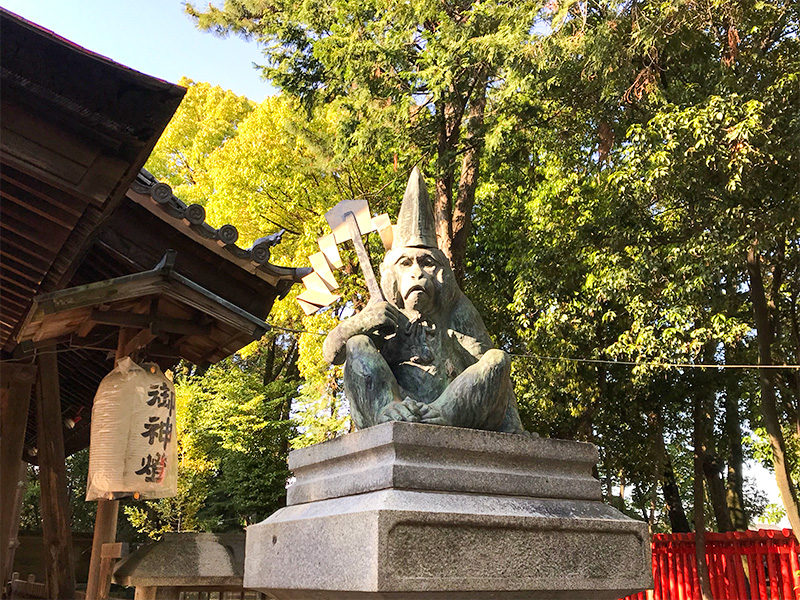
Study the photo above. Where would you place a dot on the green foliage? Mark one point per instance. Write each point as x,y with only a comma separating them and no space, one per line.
323,414
643,151
772,514
273,168
631,155
30,514
82,512
207,118
388,66
233,436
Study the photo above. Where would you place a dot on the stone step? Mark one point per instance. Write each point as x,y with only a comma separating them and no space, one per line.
414,456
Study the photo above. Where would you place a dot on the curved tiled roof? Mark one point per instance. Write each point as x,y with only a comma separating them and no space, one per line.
194,216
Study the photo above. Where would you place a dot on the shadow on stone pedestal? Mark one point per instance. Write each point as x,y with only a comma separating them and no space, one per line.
186,564
411,511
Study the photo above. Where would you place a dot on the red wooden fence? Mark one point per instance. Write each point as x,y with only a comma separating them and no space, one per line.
742,565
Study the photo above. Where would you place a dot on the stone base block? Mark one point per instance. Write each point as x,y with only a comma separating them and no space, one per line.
407,544
394,543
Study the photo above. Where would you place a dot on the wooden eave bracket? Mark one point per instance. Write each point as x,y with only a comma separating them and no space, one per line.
162,281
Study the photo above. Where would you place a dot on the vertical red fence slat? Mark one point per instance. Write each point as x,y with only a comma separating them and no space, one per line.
721,574
678,571
729,569
656,572
793,564
772,569
662,558
713,576
756,571
713,579
759,565
741,580
721,564
672,581
786,574
762,569
695,579
691,569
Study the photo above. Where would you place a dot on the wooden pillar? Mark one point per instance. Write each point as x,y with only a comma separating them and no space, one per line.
158,593
17,382
145,593
105,524
59,568
105,532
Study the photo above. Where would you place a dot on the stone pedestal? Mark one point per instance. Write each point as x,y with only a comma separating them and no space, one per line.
411,511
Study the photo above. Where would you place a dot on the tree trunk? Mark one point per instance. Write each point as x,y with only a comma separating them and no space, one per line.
705,384
468,180
269,366
712,469
445,169
735,478
58,560
699,502
672,498
669,486
765,333
793,378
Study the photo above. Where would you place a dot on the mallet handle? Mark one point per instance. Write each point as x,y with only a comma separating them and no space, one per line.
375,292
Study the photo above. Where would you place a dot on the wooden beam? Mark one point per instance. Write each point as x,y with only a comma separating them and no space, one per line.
105,532
98,584
145,592
17,381
59,568
12,512
94,341
11,373
162,350
154,322
26,348
115,550
137,285
86,328
140,340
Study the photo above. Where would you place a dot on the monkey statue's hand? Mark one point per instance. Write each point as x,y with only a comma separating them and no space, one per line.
529,434
429,414
377,319
407,410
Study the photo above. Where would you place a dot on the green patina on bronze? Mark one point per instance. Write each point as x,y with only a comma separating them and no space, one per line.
423,354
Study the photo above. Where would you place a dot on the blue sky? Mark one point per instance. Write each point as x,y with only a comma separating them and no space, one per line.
155,37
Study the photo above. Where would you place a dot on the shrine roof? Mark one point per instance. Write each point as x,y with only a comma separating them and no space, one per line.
76,128
79,210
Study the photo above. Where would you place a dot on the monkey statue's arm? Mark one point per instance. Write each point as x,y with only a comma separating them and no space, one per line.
377,320
468,329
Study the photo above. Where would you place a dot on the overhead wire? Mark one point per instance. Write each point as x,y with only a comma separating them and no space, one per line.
36,352
653,363
631,363
605,361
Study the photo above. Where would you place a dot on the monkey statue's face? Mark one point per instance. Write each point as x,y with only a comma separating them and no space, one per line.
419,276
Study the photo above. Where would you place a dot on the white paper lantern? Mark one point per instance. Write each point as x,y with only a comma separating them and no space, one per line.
133,445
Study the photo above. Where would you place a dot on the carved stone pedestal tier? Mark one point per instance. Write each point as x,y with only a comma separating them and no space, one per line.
411,511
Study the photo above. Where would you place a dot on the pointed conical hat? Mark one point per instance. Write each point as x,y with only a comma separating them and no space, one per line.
416,227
